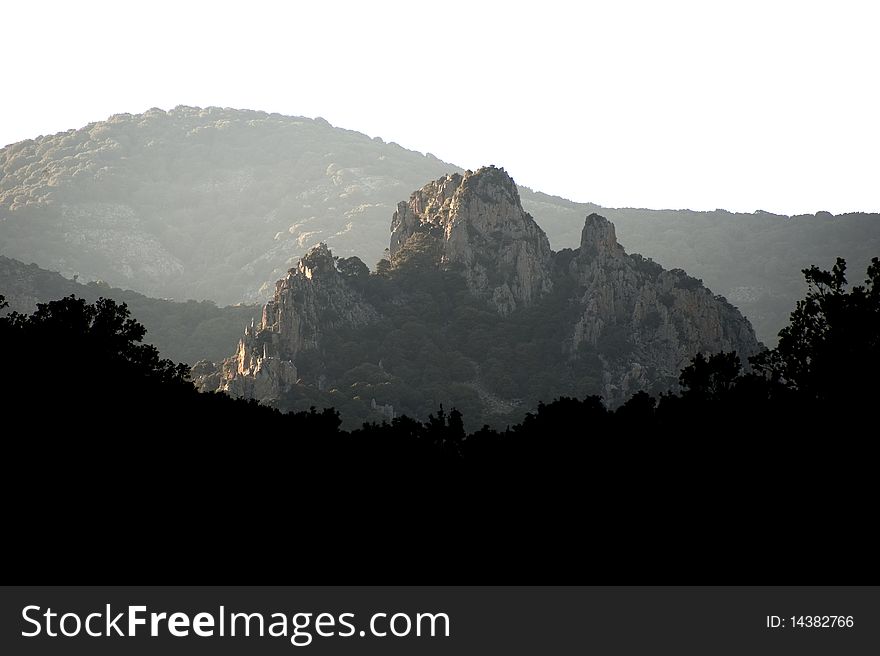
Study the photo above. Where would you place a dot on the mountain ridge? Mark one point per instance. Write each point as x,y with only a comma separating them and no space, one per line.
218,203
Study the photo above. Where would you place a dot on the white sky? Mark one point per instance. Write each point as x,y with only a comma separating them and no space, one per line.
743,105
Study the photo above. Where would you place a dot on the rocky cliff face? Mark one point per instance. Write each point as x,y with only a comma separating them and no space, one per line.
624,321
483,232
312,298
644,322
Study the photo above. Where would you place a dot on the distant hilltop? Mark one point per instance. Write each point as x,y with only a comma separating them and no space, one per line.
218,203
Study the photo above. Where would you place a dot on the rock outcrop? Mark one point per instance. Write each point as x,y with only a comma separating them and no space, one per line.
483,232
313,297
625,323
645,323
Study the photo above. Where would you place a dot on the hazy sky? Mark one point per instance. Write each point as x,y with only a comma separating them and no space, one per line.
743,105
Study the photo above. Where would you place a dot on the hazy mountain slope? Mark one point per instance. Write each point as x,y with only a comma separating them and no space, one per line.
218,203
183,332
200,203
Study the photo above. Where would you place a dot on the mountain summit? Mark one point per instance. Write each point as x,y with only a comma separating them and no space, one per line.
472,309
480,229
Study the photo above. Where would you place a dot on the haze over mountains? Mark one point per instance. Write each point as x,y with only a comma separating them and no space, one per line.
218,203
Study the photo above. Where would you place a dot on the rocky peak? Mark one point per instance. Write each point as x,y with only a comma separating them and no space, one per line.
313,297
642,318
491,185
483,232
318,261
598,238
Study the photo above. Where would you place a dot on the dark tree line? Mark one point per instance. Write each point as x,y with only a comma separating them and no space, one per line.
778,452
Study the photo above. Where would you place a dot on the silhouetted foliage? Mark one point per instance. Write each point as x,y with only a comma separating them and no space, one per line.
721,463
830,351
710,378
352,267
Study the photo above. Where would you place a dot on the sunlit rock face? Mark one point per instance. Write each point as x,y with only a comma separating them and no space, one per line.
312,297
483,232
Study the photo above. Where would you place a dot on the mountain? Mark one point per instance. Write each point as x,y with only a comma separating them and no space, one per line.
473,309
218,203
204,204
183,332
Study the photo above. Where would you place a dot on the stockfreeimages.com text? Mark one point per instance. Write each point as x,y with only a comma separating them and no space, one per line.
300,628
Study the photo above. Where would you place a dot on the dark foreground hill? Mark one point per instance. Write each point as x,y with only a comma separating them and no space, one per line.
217,204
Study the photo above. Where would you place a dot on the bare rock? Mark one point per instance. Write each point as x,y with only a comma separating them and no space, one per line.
312,297
483,232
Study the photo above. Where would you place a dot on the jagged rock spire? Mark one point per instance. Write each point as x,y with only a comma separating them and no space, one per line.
598,238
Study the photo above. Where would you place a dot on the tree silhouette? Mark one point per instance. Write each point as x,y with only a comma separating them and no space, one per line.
352,267
103,332
830,351
710,379
109,416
